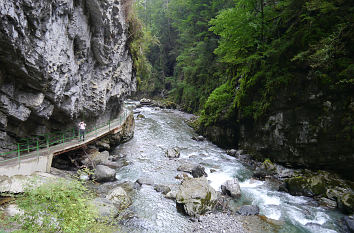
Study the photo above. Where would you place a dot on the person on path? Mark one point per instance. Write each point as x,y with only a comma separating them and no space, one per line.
82,127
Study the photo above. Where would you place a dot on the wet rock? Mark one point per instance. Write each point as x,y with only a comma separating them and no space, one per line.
349,222
145,101
162,189
199,171
104,173
144,180
182,176
266,169
328,203
140,116
119,198
105,207
232,152
186,167
346,203
231,188
283,188
248,210
198,138
212,170
173,153
195,196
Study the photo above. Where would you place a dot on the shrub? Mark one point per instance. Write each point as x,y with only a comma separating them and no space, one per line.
58,206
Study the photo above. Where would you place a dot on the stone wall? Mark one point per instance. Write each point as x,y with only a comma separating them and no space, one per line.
61,61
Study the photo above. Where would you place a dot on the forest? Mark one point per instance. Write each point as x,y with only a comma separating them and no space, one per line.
240,63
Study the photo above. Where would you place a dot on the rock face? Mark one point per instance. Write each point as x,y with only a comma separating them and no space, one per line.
323,184
59,61
195,196
315,134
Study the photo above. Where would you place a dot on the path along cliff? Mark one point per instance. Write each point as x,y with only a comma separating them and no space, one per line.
61,61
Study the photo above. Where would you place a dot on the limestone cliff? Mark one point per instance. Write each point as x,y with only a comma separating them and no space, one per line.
61,60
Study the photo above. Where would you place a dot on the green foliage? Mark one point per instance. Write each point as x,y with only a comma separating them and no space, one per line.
219,104
59,206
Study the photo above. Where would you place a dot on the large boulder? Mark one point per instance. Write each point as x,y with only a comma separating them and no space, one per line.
195,196
231,188
173,153
119,198
199,171
104,173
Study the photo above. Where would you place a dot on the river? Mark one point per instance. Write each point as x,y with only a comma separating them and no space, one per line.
164,129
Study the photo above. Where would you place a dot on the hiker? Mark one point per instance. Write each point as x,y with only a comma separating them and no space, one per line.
82,127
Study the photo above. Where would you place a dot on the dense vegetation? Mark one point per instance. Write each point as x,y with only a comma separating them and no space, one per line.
59,206
245,50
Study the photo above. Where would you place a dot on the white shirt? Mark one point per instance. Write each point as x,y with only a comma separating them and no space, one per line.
82,125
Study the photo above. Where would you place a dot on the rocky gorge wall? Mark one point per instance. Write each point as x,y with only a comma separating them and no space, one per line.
306,126
61,61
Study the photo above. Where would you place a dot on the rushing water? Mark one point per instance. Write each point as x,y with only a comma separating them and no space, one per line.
164,129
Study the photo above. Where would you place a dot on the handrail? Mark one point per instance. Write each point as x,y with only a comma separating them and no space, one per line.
39,142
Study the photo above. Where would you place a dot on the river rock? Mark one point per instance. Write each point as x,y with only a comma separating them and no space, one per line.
171,195
104,173
145,101
198,138
162,189
101,157
173,153
267,168
195,196
119,198
232,152
198,171
186,167
231,188
349,222
346,203
144,180
140,116
105,207
248,210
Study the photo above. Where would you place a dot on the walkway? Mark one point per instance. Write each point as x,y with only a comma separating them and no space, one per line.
38,153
